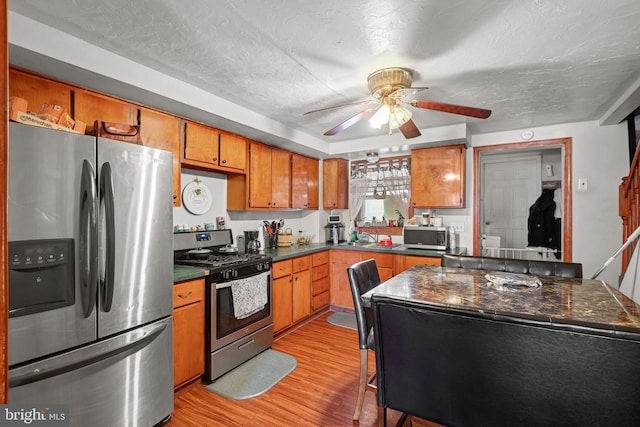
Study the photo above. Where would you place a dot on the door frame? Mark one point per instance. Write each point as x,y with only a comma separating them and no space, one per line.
565,145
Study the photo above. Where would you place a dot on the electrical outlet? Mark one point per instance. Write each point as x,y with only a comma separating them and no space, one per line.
458,226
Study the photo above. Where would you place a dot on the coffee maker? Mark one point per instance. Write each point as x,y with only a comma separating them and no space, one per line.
251,242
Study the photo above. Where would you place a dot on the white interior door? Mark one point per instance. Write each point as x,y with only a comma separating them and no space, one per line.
510,185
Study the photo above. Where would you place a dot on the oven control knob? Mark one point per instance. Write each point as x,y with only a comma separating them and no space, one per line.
259,267
266,266
225,274
234,273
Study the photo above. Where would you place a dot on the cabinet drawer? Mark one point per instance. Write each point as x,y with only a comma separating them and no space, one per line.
321,285
320,300
301,263
282,268
188,292
320,258
320,271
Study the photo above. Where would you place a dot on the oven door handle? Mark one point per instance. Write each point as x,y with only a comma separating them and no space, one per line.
230,282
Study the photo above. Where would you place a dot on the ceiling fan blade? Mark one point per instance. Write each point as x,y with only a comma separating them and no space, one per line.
455,109
349,122
409,130
340,106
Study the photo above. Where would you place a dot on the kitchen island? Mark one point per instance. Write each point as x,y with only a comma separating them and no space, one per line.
576,301
457,348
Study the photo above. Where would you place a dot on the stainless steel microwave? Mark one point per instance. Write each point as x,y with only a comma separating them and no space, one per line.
425,237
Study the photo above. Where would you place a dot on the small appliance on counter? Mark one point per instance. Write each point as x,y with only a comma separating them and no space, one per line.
334,232
425,237
252,244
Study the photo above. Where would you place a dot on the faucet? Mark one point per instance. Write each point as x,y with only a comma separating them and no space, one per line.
375,239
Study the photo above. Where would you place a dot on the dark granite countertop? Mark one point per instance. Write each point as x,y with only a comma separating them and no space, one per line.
576,301
281,253
186,272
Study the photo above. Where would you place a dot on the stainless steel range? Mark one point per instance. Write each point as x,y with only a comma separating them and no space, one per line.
238,298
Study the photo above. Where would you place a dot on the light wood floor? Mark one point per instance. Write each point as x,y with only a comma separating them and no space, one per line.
321,391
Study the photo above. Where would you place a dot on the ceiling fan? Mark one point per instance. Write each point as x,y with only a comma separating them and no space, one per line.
389,87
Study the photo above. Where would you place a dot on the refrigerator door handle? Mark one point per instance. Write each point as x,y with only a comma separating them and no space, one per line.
88,239
26,375
106,198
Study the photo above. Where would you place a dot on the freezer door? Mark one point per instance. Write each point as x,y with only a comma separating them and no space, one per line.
45,180
136,235
126,380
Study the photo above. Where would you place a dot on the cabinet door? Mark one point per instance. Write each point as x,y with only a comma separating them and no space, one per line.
233,151
90,106
438,177
340,289
259,176
304,182
188,343
313,178
282,303
335,184
159,130
201,143
280,178
299,182
37,91
301,295
404,262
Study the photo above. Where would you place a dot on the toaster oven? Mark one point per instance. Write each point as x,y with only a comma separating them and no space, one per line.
425,237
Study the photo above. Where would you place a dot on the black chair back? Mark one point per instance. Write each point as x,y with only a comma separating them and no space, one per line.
363,276
465,368
524,266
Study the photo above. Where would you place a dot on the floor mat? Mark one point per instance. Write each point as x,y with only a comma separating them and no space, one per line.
345,320
255,376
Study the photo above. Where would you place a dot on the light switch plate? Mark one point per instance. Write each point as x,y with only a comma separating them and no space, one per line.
582,184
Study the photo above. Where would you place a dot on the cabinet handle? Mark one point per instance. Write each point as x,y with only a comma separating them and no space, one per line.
215,159
224,161
185,296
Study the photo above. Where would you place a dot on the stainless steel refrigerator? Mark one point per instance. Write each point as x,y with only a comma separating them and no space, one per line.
90,277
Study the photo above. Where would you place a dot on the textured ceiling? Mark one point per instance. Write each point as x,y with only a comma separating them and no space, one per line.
532,63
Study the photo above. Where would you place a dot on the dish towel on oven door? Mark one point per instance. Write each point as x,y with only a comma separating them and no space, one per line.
249,295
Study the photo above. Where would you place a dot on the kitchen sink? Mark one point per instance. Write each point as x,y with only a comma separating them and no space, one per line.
372,245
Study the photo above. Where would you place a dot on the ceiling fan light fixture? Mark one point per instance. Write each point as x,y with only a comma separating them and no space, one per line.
399,116
372,157
380,117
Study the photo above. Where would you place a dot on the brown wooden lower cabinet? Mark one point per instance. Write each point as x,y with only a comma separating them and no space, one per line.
188,331
300,288
291,291
320,281
388,266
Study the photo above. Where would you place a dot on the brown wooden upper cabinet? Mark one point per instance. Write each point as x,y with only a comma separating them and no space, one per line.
304,182
38,90
438,177
160,130
335,184
269,177
91,106
267,184
207,147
